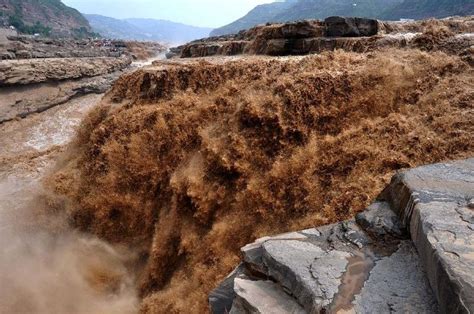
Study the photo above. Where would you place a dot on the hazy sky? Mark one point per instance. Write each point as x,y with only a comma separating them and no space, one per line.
209,13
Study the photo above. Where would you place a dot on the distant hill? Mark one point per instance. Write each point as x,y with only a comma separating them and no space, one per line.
261,14
145,29
46,17
114,28
421,9
292,10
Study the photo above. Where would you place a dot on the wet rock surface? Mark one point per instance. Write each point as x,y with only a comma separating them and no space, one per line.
397,284
409,252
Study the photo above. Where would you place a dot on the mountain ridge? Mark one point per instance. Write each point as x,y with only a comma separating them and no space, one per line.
145,29
46,17
293,10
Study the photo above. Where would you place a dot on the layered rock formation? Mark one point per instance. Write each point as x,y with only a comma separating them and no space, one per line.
34,85
39,73
350,34
410,252
22,72
26,47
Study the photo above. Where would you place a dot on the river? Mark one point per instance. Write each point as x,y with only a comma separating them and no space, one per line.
42,271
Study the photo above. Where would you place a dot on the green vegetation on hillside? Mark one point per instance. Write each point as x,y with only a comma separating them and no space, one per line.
44,17
36,28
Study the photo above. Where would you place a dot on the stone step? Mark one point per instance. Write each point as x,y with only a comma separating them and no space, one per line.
262,296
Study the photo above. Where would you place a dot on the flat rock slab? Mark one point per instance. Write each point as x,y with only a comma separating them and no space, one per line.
433,202
397,284
326,269
21,72
262,296
306,270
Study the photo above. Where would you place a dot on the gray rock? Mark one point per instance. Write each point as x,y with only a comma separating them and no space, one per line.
381,222
263,297
397,284
369,265
433,203
253,252
222,297
311,274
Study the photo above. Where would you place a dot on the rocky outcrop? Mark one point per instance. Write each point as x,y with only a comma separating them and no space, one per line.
28,47
433,203
21,72
34,85
21,101
337,26
409,252
392,10
39,73
347,33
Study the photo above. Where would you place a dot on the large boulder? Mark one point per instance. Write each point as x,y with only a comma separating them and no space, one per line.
337,26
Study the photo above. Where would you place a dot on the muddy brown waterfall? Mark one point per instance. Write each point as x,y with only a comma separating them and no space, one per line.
249,172
190,161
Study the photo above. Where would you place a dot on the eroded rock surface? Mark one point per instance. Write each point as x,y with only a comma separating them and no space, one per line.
34,85
409,252
39,73
347,33
16,72
434,204
262,296
21,101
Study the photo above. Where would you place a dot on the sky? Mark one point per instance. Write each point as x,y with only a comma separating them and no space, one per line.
206,13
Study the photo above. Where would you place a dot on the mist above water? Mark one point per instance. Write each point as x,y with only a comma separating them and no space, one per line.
43,269
42,273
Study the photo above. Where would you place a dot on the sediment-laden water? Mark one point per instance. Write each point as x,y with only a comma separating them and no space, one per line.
51,270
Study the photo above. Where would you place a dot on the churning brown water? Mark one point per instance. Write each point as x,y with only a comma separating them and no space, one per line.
357,272
189,162
54,269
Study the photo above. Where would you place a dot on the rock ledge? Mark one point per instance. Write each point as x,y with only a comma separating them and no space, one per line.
411,251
